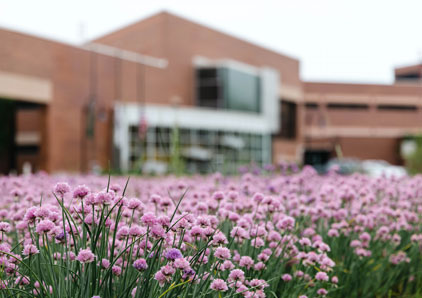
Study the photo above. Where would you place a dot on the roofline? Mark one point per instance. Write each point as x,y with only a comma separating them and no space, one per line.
186,19
347,83
361,84
408,66
40,37
102,50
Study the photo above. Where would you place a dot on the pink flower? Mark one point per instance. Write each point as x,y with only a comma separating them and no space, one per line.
149,219
246,261
105,263
365,237
81,192
105,198
116,270
155,199
322,276
197,231
136,231
173,254
237,275
181,263
85,256
167,270
258,197
30,250
115,187
355,243
160,277
30,214
286,277
44,226
158,231
134,204
333,233
5,227
258,283
219,285
140,264
61,188
218,196
322,292
222,253
259,266
228,265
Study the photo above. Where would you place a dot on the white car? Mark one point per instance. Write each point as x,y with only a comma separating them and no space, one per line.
377,168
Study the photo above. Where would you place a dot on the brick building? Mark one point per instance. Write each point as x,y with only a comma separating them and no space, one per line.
118,98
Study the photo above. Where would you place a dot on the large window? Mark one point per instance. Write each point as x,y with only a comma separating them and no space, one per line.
288,116
202,150
209,88
228,88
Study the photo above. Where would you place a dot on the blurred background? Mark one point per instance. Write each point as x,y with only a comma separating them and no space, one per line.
196,87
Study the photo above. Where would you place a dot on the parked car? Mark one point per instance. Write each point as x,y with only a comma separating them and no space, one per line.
344,166
377,168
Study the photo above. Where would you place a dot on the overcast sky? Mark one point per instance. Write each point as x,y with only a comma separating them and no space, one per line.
335,40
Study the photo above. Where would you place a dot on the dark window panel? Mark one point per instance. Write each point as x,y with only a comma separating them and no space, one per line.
349,106
311,105
288,119
398,107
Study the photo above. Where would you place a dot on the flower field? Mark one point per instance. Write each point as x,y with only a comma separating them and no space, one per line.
267,235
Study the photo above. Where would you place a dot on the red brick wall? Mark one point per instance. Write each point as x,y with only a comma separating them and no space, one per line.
179,41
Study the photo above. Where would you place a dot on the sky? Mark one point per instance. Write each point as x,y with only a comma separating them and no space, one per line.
358,41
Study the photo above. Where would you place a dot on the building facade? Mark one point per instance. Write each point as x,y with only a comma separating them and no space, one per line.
166,86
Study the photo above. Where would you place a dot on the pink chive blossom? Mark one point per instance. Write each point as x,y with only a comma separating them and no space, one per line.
116,188
44,226
5,227
116,270
104,198
61,188
173,254
219,285
222,253
333,233
81,191
135,231
134,204
30,250
365,237
181,263
42,212
148,219
140,264
322,276
286,277
218,196
85,256
237,275
258,197
105,263
168,270
246,261
322,292
156,199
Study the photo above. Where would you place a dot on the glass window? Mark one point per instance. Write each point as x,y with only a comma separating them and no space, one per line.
288,119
